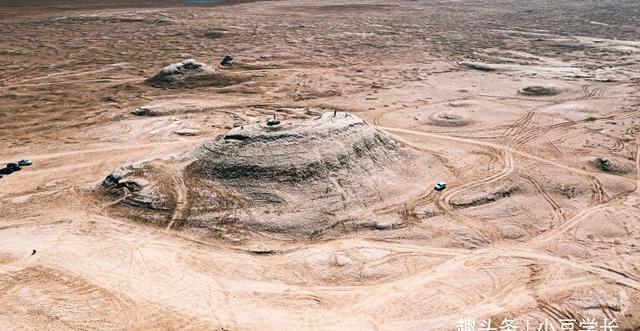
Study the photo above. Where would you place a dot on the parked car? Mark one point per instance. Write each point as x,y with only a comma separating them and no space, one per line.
440,186
13,167
5,171
24,163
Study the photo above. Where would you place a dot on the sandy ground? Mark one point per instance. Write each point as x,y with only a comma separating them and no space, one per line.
531,227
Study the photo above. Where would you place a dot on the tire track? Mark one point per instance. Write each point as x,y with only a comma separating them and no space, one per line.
557,211
423,198
505,148
181,200
444,202
558,126
599,195
522,131
575,220
20,72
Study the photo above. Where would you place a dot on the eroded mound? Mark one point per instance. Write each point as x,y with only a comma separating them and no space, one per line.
191,73
303,179
447,119
612,165
485,196
296,152
538,91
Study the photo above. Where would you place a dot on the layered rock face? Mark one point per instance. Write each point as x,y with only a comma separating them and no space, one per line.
294,153
302,179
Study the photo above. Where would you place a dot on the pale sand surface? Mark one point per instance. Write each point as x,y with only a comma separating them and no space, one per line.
531,227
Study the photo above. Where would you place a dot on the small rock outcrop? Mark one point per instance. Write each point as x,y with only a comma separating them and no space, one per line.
191,73
188,132
538,91
117,184
612,165
447,119
144,111
477,66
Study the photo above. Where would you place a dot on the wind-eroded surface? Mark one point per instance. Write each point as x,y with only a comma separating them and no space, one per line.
540,219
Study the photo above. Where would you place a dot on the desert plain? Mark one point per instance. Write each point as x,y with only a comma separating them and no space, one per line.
159,202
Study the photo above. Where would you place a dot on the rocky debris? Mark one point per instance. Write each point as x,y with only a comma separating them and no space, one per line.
449,116
610,165
184,67
538,91
477,66
143,192
604,164
188,132
179,72
144,111
215,34
191,73
273,121
485,197
117,184
260,250
261,178
383,224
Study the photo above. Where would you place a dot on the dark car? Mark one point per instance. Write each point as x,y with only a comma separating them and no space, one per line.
5,171
13,167
24,163
228,60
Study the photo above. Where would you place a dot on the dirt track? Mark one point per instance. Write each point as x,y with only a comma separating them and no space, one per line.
531,226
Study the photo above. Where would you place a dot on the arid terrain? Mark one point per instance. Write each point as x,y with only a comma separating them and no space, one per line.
160,199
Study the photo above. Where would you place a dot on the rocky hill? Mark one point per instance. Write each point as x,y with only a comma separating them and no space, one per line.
295,179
